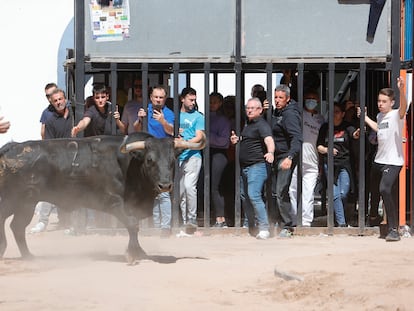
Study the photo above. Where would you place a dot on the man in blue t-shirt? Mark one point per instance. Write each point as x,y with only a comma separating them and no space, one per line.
160,124
192,130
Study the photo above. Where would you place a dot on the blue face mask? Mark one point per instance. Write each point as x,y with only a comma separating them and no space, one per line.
311,104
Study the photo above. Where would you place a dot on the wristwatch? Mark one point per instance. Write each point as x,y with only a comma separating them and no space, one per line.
290,157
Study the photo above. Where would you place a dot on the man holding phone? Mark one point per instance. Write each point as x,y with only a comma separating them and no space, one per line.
161,118
160,124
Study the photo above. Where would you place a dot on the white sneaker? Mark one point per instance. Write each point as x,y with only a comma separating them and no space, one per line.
263,235
39,227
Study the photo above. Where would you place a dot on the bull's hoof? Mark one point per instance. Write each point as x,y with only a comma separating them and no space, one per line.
253,231
133,257
131,260
28,256
190,228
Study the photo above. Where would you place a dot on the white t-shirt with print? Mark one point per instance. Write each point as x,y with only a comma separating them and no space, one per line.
390,138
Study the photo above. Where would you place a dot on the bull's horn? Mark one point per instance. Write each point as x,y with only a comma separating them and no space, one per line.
136,145
182,144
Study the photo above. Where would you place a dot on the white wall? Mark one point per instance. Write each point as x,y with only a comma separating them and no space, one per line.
35,35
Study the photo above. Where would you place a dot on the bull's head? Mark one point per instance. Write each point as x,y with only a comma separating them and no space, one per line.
155,158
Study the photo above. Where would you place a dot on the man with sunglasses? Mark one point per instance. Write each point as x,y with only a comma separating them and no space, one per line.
48,111
130,113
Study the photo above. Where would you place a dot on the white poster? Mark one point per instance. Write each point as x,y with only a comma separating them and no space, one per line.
110,20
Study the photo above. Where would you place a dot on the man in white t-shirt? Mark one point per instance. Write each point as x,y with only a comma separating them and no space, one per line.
389,158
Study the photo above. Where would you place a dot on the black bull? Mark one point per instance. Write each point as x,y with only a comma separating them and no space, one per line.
115,174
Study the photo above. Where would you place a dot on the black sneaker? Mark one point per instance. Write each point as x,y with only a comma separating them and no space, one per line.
393,235
220,224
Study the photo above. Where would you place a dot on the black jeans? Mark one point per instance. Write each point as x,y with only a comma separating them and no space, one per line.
385,182
280,194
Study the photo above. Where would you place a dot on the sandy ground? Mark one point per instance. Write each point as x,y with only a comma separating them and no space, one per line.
222,271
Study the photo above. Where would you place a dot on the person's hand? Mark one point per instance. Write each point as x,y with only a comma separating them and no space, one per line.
158,115
286,164
356,134
4,125
266,104
269,157
234,138
142,113
358,109
400,83
75,131
117,115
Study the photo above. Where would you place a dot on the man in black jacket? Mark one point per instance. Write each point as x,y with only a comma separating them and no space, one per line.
287,134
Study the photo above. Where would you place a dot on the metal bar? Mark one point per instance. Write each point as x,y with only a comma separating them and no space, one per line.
299,167
331,91
395,46
361,191
206,151
80,60
114,87
237,201
238,30
145,87
215,81
176,191
238,73
269,93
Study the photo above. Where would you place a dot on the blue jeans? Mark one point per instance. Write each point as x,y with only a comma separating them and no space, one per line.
161,213
252,180
340,193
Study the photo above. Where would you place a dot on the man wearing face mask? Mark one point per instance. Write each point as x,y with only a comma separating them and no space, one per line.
312,122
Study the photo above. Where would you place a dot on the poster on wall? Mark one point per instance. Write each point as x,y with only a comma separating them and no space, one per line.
110,20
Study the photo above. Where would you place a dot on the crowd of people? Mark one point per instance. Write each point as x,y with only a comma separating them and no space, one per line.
269,152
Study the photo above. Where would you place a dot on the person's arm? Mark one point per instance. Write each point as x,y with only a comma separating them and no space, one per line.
199,136
403,99
42,130
122,127
138,122
322,149
294,131
270,146
81,126
4,125
159,116
371,123
49,132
